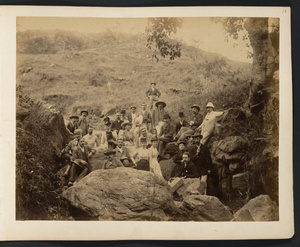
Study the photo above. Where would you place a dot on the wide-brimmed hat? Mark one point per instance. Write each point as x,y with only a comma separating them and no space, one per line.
153,83
109,151
82,111
126,122
181,142
196,106
180,114
123,110
197,135
154,138
160,102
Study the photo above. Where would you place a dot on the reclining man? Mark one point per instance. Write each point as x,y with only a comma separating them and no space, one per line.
123,155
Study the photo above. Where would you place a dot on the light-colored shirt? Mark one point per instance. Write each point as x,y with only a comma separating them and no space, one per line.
91,140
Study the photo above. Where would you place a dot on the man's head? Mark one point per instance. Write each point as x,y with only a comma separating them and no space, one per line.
186,157
133,109
209,107
74,119
166,118
108,126
181,146
160,104
78,133
90,130
154,142
118,116
153,84
197,138
81,142
120,143
143,142
126,125
144,106
110,154
195,109
84,113
123,112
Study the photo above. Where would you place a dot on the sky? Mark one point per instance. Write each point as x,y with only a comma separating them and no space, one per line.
200,32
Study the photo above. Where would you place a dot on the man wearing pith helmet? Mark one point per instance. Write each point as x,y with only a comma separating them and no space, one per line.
208,125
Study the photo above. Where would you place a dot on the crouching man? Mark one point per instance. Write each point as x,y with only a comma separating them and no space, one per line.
80,162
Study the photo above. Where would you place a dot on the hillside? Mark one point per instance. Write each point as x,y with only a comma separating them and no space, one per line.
107,72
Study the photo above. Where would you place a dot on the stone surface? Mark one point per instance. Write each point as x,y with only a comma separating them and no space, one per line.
191,186
261,208
203,208
122,194
167,167
240,181
243,215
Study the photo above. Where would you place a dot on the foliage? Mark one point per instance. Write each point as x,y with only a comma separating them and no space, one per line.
158,32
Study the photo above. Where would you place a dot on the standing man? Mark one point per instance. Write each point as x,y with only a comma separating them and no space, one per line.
108,137
146,116
72,124
158,116
208,125
201,157
132,115
83,122
123,115
153,94
117,124
166,135
91,139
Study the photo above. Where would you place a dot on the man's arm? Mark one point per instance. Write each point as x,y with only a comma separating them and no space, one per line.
158,93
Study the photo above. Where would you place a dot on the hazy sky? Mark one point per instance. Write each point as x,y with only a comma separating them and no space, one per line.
199,32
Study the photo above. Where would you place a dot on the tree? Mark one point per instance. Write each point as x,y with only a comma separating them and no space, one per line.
158,33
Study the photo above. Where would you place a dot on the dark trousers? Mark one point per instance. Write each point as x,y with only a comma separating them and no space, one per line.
75,169
163,141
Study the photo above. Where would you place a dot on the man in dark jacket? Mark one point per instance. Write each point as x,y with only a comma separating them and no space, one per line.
181,123
153,94
166,136
117,124
147,119
201,157
186,168
73,124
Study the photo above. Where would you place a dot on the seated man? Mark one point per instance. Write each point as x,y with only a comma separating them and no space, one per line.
80,162
91,139
117,124
193,125
123,155
177,158
73,124
77,137
111,161
142,156
181,123
166,135
66,154
186,168
108,138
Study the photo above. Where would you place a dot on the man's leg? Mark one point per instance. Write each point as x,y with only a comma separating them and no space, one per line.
182,134
72,173
84,172
126,163
205,137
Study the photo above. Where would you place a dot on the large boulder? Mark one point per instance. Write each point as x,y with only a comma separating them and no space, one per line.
240,181
191,186
261,208
122,194
203,208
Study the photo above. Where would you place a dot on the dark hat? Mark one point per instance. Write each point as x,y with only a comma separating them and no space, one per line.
107,123
166,115
160,102
197,135
74,117
123,111
109,151
106,119
196,106
87,113
152,83
181,114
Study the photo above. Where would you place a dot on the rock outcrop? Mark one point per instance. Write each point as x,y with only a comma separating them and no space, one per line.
122,194
261,208
203,208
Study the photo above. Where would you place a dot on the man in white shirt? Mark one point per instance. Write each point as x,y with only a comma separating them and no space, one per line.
91,139
208,125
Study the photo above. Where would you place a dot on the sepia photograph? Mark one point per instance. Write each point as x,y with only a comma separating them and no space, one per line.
148,119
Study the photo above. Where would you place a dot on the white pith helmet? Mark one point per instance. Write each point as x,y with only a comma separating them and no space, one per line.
209,104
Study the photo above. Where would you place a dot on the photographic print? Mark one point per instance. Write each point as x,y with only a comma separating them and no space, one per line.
148,119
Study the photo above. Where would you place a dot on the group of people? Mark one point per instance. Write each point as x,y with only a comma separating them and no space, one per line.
140,140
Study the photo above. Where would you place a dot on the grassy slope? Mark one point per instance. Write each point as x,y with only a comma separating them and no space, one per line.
65,78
